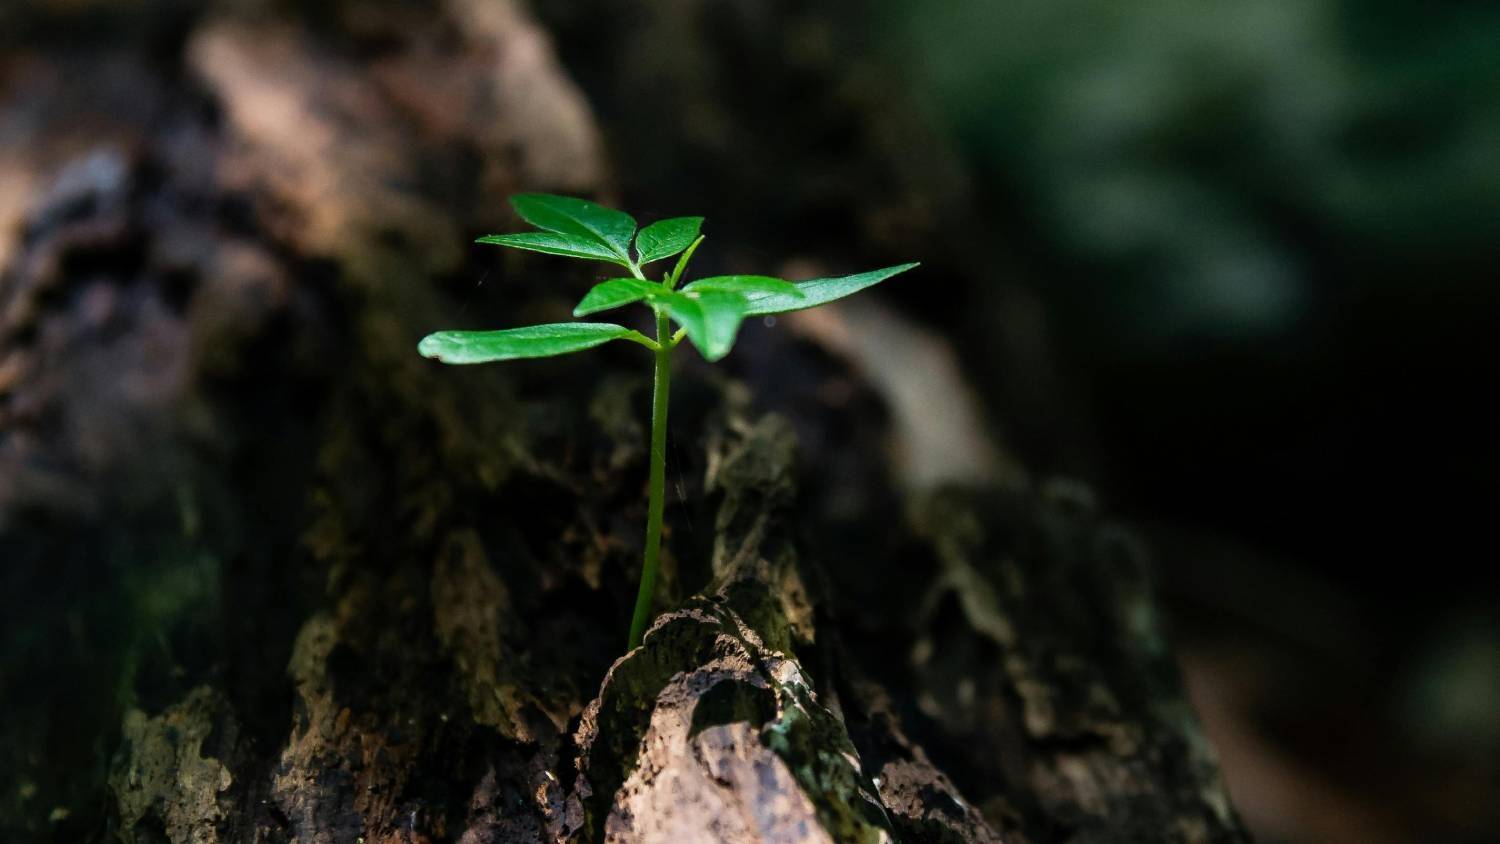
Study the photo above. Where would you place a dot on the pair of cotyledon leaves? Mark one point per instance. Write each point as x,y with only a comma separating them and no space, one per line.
710,310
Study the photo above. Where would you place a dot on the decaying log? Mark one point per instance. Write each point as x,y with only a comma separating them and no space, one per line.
302,585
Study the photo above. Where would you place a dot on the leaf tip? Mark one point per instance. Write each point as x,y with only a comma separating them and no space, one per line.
431,346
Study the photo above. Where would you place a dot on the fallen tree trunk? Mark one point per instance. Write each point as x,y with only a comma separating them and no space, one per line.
294,583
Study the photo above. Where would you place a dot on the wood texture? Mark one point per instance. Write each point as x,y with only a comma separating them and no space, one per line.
299,584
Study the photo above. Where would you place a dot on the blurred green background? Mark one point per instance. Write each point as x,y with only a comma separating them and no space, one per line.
1269,232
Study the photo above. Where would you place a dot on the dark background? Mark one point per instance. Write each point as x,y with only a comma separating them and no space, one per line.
1267,235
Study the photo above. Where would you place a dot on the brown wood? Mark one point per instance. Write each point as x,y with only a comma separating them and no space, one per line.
303,585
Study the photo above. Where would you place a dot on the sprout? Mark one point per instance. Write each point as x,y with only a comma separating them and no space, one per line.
708,312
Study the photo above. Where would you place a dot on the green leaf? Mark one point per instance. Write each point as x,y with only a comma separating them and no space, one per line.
578,217
616,292
819,291
666,238
712,318
567,245
745,284
534,341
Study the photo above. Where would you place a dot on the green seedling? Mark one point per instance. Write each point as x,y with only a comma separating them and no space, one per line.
708,312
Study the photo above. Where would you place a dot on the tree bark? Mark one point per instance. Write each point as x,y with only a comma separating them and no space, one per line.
273,577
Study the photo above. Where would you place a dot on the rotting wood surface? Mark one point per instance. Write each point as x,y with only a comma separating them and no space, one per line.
301,585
